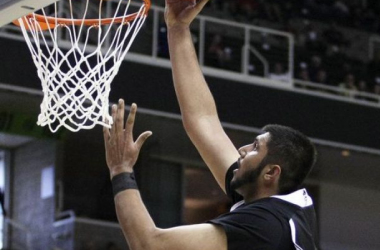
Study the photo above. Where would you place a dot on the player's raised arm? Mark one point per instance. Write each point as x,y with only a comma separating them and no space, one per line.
137,225
197,104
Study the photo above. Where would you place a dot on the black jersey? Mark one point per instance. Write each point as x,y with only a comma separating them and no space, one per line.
283,222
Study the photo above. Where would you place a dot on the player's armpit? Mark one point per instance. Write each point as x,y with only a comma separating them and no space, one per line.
193,237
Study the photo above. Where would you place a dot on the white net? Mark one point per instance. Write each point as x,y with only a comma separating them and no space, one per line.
77,62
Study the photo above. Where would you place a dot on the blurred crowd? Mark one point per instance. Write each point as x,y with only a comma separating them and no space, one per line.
361,14
320,51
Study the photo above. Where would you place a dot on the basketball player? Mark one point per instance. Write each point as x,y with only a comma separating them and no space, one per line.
262,178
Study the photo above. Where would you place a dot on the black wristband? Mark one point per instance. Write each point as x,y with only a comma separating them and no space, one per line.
123,182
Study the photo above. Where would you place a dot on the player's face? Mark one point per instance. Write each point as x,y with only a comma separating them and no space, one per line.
250,162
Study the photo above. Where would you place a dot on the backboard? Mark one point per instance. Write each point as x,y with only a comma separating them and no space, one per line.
13,9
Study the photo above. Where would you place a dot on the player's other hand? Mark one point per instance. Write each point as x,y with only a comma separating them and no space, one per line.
121,150
180,13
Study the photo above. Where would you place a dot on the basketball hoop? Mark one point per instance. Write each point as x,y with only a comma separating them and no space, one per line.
78,57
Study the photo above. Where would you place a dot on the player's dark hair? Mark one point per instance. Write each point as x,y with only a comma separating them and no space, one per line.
293,152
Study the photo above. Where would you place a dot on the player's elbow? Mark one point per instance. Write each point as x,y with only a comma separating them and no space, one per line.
188,124
151,241
196,124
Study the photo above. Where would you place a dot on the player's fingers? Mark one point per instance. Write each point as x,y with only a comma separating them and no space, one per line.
106,136
200,4
106,131
120,117
113,113
142,138
130,122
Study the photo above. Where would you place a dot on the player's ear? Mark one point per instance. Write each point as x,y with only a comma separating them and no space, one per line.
272,172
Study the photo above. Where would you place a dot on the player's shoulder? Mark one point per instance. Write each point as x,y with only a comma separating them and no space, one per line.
269,207
257,219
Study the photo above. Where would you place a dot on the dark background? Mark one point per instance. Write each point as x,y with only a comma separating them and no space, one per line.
248,105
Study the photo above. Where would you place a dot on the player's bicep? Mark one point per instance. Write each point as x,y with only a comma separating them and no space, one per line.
201,236
215,147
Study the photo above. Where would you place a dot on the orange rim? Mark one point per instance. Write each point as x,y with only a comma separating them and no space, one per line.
47,22
27,24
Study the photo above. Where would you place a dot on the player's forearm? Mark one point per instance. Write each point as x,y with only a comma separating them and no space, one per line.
198,108
192,91
135,221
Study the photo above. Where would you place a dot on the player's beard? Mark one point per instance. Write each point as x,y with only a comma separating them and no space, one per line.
250,177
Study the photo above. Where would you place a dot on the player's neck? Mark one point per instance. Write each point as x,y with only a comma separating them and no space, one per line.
258,194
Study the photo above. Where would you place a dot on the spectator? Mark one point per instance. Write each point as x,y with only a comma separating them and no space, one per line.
233,9
303,75
272,10
321,76
348,84
314,67
248,9
279,74
265,44
362,86
363,90
218,54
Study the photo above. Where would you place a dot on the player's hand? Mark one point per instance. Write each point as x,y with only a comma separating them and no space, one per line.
121,150
180,13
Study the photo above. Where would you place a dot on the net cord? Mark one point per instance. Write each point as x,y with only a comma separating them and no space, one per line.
78,98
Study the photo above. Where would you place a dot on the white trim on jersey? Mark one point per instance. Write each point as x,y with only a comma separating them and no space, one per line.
236,205
299,198
293,231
